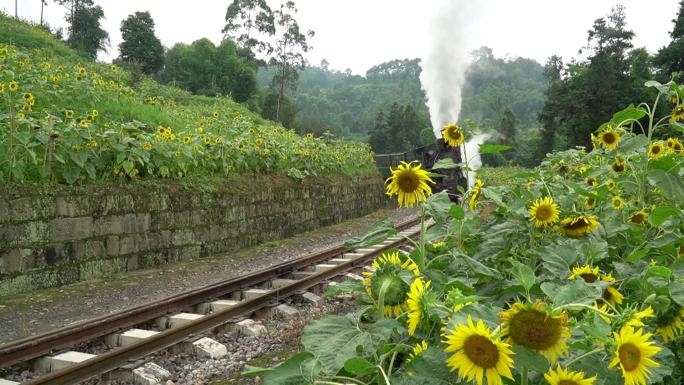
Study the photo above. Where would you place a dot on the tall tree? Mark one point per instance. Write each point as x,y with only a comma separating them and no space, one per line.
671,58
140,44
249,22
203,68
594,89
547,116
508,127
288,58
397,131
85,32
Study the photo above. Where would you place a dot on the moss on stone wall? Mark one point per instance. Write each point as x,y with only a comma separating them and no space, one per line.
55,236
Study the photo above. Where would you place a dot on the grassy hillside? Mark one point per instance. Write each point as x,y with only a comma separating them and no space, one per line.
67,119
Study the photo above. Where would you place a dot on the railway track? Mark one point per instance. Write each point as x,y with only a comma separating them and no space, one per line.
223,303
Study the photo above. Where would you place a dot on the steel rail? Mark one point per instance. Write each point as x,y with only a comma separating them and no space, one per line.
121,356
32,347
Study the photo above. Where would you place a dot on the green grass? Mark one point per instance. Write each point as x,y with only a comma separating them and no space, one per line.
500,176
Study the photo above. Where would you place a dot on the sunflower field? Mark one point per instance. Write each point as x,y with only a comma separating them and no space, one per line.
573,275
68,120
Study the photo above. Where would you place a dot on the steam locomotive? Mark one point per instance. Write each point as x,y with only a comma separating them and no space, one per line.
428,156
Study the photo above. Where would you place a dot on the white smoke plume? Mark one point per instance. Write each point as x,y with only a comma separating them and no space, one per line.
471,150
447,58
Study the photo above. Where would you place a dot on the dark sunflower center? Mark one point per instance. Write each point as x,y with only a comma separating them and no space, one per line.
535,330
578,225
607,295
609,138
408,182
618,167
589,277
655,150
591,181
677,147
544,213
481,351
567,382
591,201
455,134
630,356
638,218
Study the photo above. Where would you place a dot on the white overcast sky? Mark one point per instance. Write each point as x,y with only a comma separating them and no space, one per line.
358,34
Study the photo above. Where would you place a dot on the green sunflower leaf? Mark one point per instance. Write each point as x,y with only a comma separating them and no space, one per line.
335,339
630,113
428,368
576,291
493,148
359,366
376,234
676,290
294,371
530,359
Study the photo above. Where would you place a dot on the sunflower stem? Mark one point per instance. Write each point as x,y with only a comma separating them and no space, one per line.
384,375
523,376
589,353
583,306
381,299
350,379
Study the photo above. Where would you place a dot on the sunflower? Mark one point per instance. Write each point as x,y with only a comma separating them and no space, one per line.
578,226
633,355
95,113
613,296
638,218
590,203
544,212
675,145
535,327
586,272
609,138
678,114
477,190
617,203
417,349
259,142
27,96
591,182
477,353
2,88
200,130
13,86
565,377
386,277
670,326
656,150
69,113
453,135
409,182
635,317
147,146
610,184
418,302
619,166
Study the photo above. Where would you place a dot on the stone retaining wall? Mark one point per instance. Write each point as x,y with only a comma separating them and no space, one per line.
53,238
